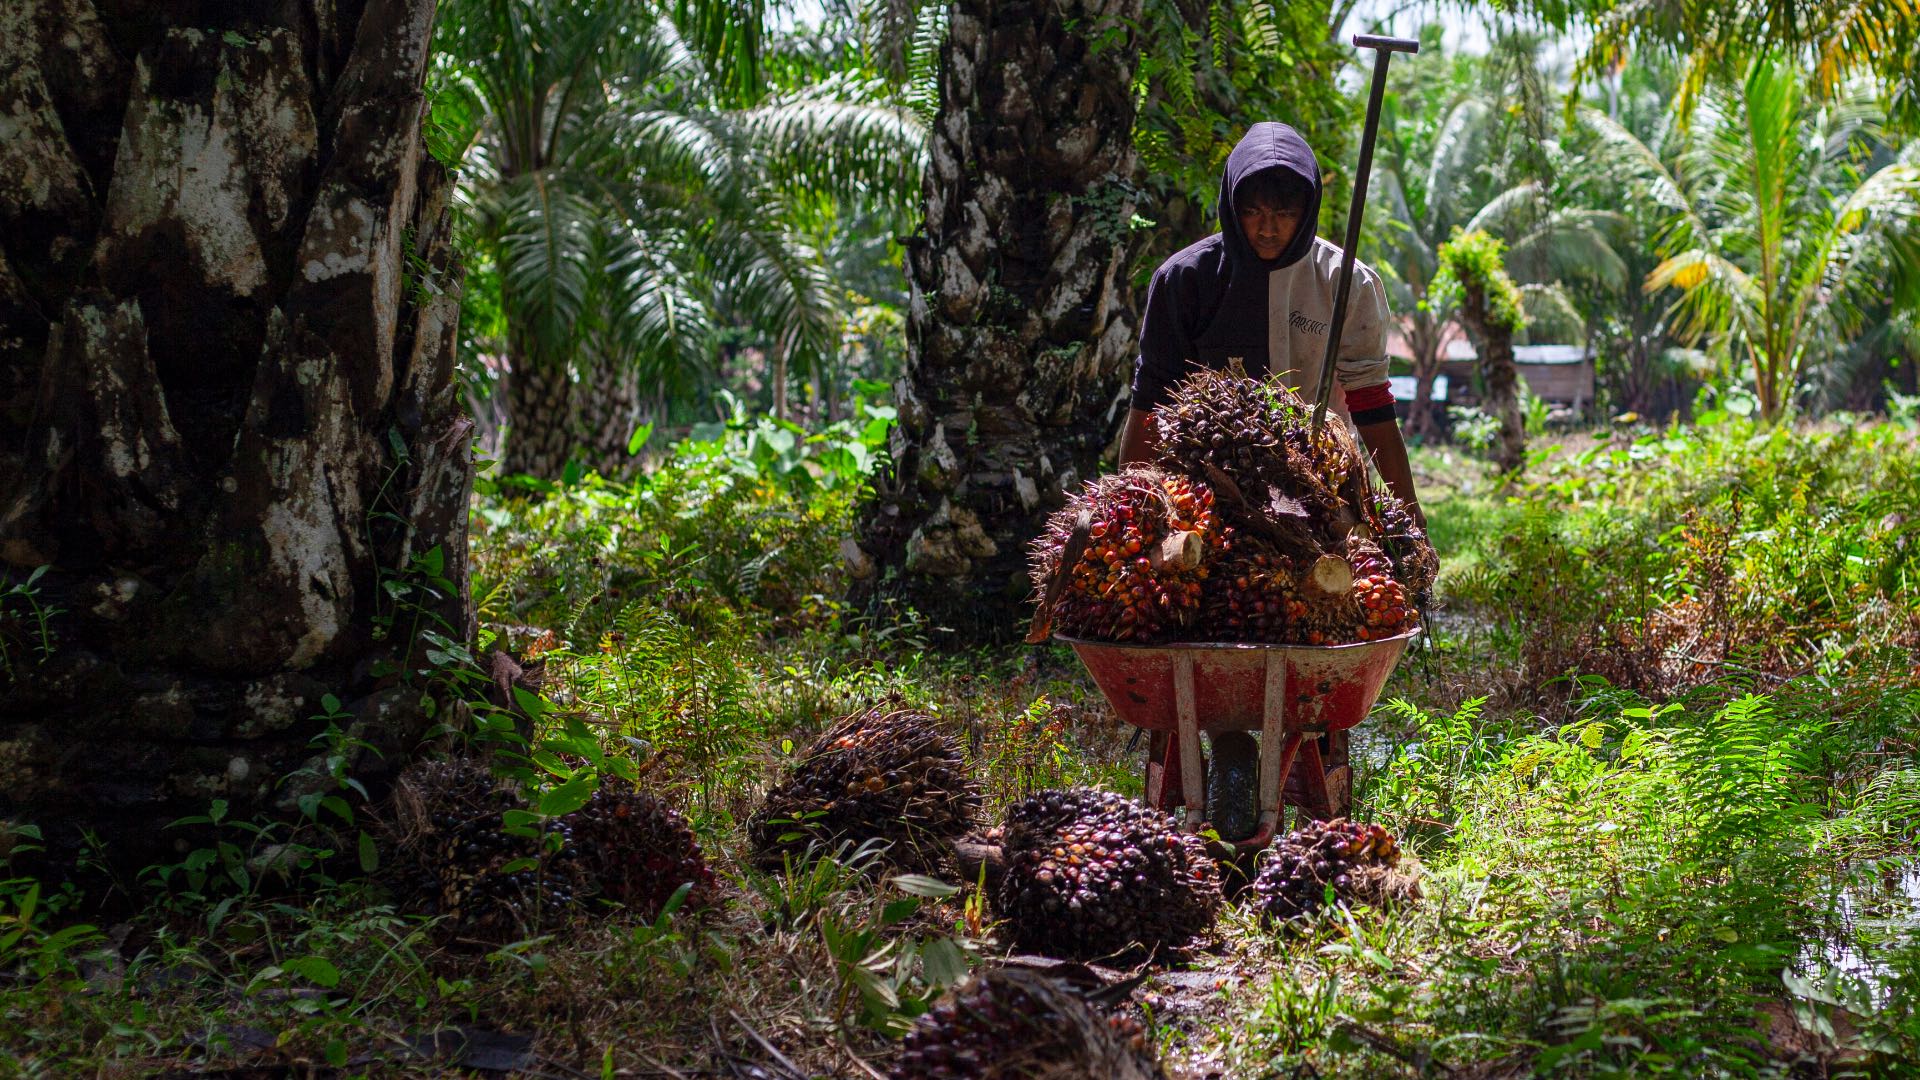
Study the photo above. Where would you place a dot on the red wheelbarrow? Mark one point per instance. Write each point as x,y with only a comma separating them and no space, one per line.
1301,698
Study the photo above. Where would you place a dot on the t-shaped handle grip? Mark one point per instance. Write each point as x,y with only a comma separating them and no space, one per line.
1389,44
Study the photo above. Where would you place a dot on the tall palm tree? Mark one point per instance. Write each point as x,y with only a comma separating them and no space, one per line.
1020,320
1642,360
633,192
1490,305
1835,40
230,443
1423,208
1780,225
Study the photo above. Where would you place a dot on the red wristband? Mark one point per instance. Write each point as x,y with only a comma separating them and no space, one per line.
1369,397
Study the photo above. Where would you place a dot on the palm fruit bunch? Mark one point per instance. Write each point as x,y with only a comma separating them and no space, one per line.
429,799
1382,604
886,773
1246,596
1285,601
1013,1024
499,886
1415,565
1090,873
450,853
1139,565
1355,860
638,851
1258,435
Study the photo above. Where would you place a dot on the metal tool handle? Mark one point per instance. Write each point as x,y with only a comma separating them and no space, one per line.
1384,48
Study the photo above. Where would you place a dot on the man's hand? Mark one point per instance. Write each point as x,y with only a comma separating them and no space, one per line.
1389,453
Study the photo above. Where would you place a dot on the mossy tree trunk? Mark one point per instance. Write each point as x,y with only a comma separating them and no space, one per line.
228,425
1020,324
1493,339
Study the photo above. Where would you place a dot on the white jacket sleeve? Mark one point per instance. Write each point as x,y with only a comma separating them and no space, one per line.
1363,342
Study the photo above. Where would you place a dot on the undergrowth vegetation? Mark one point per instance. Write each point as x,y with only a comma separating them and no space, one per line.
1659,763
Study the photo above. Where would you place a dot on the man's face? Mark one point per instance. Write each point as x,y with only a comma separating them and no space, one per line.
1269,225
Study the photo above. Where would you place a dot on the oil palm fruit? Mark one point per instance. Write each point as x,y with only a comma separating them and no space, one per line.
497,886
1384,606
1339,855
1141,563
886,773
429,799
1090,873
635,849
449,854
1245,597
1013,1024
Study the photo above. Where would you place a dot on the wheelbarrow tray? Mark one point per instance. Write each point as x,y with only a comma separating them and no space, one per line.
1325,687
1286,692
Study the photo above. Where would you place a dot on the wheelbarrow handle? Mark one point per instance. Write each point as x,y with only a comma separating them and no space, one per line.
1386,44
1384,48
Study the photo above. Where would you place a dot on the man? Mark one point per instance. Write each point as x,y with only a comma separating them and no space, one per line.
1261,291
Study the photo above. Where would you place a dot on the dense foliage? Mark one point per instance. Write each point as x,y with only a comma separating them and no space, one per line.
1652,773
1656,776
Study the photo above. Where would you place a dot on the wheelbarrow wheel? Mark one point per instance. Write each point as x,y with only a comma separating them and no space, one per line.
1233,785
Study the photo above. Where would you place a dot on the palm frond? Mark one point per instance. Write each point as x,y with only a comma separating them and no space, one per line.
656,316
923,63
1407,235
547,243
1715,293
686,147
770,278
1551,315
1851,267
1567,248
839,137
1456,152
729,36
1511,212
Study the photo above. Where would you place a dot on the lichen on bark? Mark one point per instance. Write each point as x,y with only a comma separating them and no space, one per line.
226,411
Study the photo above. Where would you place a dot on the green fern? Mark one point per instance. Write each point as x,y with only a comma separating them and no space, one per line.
923,62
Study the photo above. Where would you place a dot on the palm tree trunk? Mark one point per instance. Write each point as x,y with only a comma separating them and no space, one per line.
777,360
607,419
1426,368
539,419
226,276
826,392
1494,340
1020,322
1767,382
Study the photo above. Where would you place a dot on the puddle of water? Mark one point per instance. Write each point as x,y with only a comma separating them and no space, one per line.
1875,913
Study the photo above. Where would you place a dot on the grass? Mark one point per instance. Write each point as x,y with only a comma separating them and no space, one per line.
1659,764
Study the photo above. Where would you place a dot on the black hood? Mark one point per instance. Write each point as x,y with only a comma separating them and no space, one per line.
1268,146
1208,302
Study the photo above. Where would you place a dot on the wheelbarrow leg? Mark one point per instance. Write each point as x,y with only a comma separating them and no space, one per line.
1323,794
1192,781
1277,750
1339,772
1163,772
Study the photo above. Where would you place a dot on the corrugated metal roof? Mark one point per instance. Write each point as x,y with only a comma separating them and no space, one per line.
1550,354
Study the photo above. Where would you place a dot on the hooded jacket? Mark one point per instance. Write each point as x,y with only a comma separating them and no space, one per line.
1217,301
